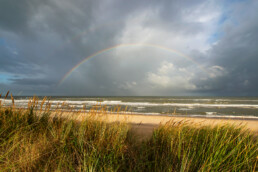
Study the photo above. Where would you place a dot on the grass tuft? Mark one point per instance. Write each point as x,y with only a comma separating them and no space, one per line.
40,139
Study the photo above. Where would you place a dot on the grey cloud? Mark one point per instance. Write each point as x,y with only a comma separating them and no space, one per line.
15,15
237,53
51,37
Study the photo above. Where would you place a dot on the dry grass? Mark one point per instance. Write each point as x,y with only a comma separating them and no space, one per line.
42,140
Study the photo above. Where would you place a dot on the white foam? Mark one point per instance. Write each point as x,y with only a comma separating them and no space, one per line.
185,104
112,102
225,116
214,99
211,113
185,109
141,107
138,104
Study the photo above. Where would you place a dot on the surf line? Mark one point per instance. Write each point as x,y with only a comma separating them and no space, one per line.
128,45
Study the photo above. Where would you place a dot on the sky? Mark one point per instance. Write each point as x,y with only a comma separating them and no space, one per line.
129,48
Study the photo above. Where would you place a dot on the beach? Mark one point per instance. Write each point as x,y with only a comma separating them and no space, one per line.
143,125
131,142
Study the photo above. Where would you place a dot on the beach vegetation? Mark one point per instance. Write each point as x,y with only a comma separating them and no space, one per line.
40,138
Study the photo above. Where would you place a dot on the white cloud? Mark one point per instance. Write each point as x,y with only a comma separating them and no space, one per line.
165,68
169,76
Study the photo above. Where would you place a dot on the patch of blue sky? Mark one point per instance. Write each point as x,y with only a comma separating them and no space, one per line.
225,17
218,34
215,37
227,8
222,19
5,78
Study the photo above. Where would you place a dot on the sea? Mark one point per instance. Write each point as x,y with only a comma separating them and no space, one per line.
208,107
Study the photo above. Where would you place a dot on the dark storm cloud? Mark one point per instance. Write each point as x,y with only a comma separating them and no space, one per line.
50,24
43,40
237,53
54,36
15,15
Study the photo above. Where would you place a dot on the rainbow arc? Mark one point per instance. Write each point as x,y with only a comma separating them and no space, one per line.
128,45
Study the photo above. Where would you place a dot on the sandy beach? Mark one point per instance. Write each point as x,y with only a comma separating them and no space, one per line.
143,125
156,120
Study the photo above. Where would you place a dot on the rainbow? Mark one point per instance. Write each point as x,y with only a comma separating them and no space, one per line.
127,45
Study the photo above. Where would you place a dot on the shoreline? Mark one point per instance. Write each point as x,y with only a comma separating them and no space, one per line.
223,117
226,117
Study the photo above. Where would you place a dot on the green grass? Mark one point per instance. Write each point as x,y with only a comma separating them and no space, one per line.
47,142
181,147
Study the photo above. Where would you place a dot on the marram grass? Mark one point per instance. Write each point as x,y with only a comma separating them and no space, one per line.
42,140
180,147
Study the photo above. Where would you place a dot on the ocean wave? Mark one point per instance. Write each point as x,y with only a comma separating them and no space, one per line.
224,116
185,109
216,100
137,104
